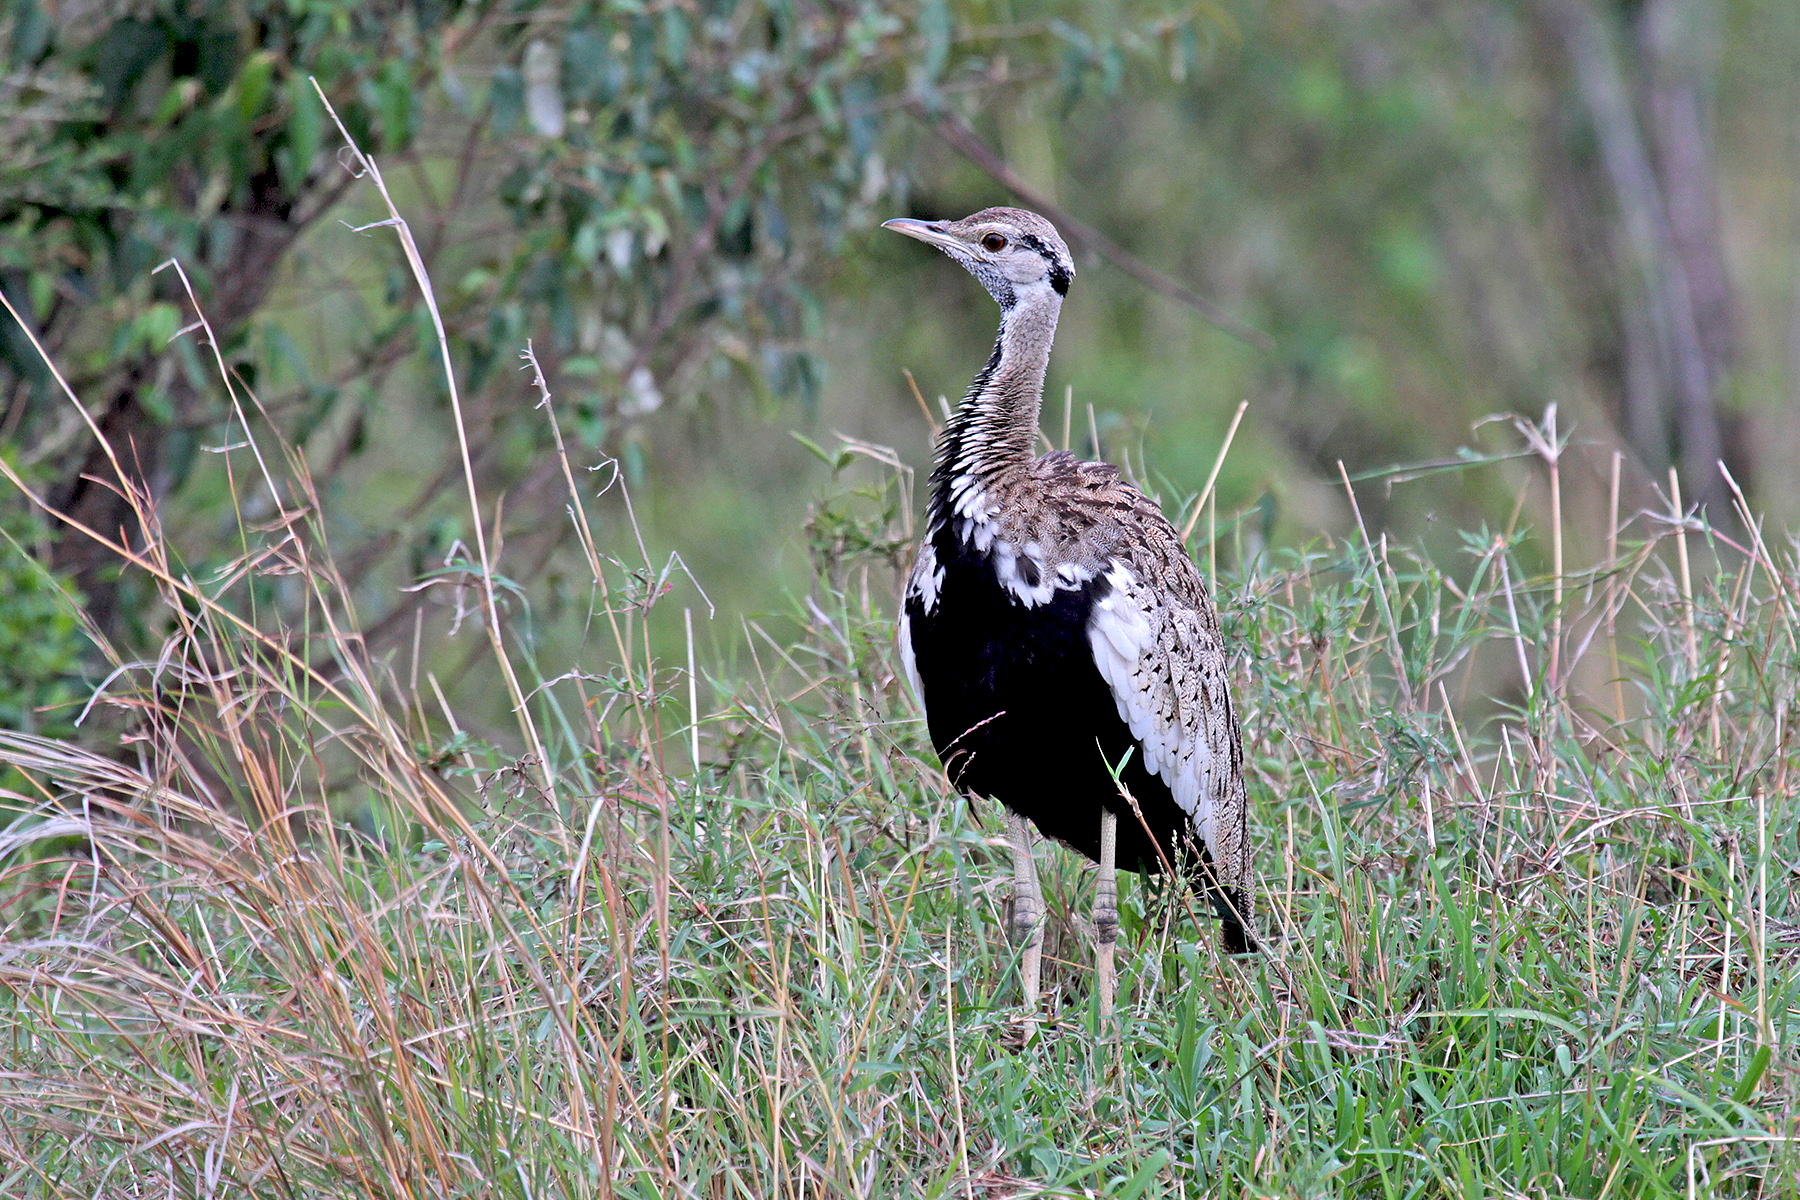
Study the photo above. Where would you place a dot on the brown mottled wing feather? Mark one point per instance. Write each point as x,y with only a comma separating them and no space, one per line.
1156,641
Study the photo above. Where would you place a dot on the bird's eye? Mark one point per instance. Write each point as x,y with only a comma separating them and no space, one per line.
993,243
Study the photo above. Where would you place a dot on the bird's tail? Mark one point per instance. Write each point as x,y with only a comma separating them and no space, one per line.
1232,904
1233,907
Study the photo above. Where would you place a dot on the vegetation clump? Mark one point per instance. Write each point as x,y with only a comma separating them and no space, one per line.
306,891
1526,841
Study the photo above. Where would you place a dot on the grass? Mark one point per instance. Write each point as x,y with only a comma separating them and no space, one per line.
1527,839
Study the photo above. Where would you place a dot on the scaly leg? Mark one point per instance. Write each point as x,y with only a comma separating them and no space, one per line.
1028,904
1106,909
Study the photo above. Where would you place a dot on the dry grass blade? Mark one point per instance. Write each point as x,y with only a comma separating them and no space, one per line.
490,611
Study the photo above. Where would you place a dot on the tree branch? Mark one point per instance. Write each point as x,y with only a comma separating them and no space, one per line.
954,130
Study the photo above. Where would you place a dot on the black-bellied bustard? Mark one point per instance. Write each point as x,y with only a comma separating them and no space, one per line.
1057,633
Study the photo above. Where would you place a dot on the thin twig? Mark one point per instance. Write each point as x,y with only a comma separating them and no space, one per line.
954,130
1380,589
1612,606
1212,476
930,420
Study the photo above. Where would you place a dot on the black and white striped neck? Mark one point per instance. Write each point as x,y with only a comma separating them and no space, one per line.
994,431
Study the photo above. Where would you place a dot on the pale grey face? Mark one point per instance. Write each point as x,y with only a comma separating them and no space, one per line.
1012,252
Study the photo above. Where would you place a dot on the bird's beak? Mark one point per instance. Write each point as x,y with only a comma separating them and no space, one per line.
932,233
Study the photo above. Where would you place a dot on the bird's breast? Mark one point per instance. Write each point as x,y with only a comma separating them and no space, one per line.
997,628
1015,701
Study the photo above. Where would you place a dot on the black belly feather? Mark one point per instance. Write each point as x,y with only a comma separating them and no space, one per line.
1019,712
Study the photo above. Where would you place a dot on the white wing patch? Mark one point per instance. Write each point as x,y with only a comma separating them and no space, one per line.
1011,574
927,578
967,497
1017,567
978,532
973,513
926,581
1020,570
1134,657
909,661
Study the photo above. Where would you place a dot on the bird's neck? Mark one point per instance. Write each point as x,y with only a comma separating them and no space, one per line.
995,429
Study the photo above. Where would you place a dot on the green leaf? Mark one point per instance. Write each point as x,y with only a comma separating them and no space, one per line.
305,126
1509,1014
157,324
394,93
1143,1177
30,33
507,99
1759,1062
43,293
819,452
873,1074
124,55
254,83
820,95
176,99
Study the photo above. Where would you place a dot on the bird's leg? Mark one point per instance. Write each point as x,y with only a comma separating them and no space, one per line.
1028,904
1106,908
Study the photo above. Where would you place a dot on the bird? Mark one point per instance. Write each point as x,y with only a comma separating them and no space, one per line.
1058,636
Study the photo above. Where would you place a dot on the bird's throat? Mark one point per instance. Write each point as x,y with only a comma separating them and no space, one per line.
995,429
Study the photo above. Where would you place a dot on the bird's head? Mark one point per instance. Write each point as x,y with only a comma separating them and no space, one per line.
1012,252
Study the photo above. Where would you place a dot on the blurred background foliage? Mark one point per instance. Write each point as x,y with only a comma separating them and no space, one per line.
1408,215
